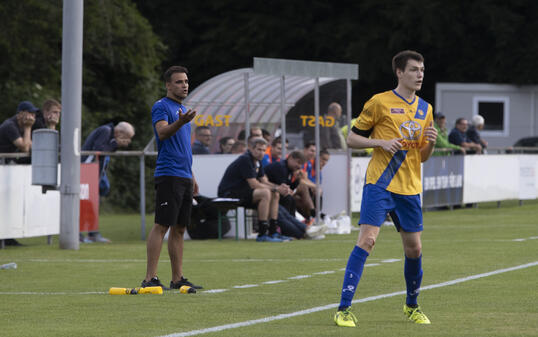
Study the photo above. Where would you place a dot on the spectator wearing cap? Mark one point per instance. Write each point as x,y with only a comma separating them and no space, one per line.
16,131
16,136
477,124
442,137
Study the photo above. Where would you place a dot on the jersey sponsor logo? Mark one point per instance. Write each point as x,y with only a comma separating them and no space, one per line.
409,144
410,130
396,111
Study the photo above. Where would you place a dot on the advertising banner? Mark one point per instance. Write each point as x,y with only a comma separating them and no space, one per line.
89,197
442,181
358,174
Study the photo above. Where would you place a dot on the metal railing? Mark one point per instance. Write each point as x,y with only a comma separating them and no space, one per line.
151,153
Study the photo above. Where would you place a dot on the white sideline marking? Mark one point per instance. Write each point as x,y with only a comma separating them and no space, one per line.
324,272
525,239
245,286
298,277
214,291
335,305
390,260
273,282
371,265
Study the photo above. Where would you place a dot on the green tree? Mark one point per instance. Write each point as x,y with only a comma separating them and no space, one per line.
121,69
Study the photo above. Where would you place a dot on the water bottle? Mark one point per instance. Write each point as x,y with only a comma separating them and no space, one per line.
187,290
11,265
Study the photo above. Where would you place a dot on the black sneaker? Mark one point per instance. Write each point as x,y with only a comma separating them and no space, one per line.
183,282
154,282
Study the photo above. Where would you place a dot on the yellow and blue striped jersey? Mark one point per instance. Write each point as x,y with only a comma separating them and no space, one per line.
386,116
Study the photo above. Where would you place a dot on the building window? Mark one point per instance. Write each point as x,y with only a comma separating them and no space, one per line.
496,113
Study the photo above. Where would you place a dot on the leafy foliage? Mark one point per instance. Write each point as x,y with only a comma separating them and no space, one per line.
121,69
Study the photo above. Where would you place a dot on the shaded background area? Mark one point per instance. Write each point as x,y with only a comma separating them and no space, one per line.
129,43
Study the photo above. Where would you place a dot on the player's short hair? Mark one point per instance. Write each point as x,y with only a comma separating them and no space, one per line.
298,155
167,76
399,61
324,151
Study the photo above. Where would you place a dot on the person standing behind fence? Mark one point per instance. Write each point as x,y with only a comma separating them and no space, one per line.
402,134
16,131
202,140
226,144
477,124
442,137
16,136
105,138
174,182
49,116
458,136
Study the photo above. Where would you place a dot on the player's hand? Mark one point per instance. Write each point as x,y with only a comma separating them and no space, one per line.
195,189
187,116
392,145
430,133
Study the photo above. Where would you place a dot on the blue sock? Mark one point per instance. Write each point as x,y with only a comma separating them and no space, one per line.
354,268
413,278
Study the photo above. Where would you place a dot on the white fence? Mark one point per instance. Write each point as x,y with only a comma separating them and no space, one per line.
26,212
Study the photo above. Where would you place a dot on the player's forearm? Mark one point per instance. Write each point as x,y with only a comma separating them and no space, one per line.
426,151
360,142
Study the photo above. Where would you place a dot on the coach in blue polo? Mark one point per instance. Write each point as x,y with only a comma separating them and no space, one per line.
174,182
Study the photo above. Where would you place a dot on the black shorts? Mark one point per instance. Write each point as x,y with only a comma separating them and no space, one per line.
173,201
244,195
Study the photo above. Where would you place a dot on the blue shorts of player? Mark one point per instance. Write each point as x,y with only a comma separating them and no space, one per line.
404,210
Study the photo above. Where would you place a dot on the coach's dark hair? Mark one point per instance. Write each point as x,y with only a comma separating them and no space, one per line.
299,155
399,61
201,128
324,151
167,76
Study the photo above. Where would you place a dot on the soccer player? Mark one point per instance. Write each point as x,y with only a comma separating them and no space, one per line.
400,127
174,181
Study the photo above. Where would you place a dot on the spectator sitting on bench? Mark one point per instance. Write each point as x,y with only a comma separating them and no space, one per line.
245,179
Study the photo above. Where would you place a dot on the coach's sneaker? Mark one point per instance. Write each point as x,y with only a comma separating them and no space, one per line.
267,238
415,314
345,318
277,235
183,282
154,282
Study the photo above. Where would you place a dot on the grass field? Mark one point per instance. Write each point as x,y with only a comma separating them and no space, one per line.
57,292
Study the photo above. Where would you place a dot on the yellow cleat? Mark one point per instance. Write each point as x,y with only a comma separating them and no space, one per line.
416,315
345,318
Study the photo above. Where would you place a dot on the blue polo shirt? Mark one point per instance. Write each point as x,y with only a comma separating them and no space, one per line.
174,154
236,175
457,137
